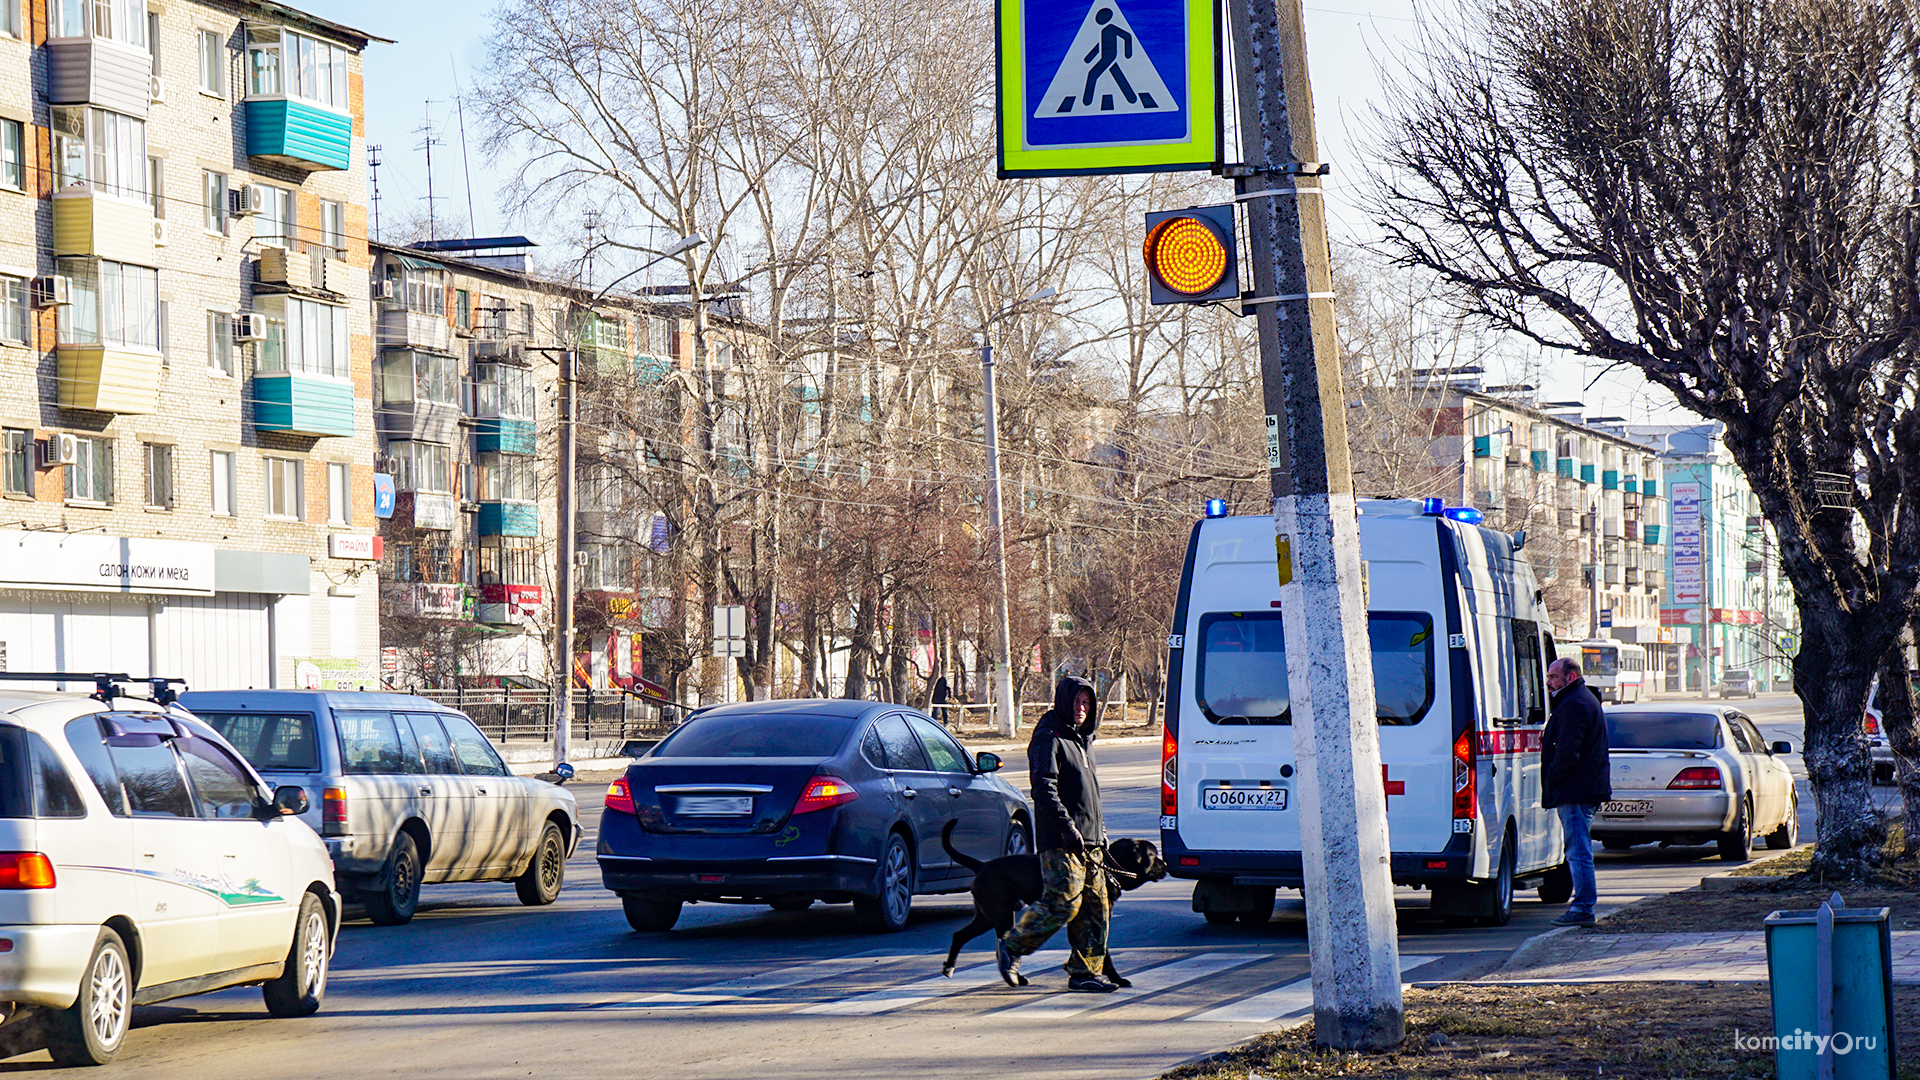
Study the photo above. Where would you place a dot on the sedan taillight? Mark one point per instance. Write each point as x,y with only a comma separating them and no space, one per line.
1699,776
620,796
1873,724
822,792
25,870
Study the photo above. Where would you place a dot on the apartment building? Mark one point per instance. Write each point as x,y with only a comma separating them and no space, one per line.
186,427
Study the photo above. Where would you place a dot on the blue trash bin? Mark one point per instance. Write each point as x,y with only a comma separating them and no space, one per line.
1832,985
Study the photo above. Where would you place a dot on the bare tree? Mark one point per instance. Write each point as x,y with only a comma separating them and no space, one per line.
1720,195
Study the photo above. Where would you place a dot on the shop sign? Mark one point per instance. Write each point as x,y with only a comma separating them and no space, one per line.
93,563
350,546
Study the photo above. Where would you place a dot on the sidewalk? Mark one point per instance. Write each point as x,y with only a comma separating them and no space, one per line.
1573,955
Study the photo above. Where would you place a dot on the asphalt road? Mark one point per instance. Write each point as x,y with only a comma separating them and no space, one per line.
478,986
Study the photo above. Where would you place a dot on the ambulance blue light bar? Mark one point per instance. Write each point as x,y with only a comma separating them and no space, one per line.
1216,508
1435,507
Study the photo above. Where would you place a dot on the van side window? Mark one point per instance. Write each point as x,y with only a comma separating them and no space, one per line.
369,743
435,752
1526,656
53,792
151,775
1242,675
220,786
271,742
83,736
477,757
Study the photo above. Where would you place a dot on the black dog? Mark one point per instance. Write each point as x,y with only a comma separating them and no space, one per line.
1003,886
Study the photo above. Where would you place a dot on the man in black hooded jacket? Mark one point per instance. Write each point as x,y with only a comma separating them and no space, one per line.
1071,840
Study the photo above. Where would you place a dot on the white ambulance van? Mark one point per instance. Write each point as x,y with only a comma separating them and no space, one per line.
1461,640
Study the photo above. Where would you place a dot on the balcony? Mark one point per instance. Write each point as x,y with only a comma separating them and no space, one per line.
1565,468
99,71
1586,474
1490,499
499,435
1650,534
509,519
289,132
423,599
87,222
1483,446
1633,575
1633,529
1650,488
1610,526
298,403
1610,480
108,378
424,510
302,271
404,328
1613,573
507,605
1541,460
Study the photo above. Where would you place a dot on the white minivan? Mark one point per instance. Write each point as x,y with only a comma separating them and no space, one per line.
1461,639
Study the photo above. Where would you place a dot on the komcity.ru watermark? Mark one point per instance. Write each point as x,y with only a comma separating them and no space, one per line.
1840,1042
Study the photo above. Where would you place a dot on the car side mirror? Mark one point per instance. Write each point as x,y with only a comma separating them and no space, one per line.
290,801
562,773
986,761
1781,747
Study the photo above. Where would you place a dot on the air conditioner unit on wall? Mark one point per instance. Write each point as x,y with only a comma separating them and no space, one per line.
159,232
249,326
60,450
383,290
52,290
249,200
157,90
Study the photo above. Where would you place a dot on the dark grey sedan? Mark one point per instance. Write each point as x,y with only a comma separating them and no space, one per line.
788,802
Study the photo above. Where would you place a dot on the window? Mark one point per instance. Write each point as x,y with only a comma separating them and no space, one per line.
16,461
419,377
220,341
153,40
84,736
213,63
124,21
151,776
1243,668
418,289
898,746
526,319
33,783
339,502
435,752
333,228
14,320
283,488
13,148
213,201
157,186
10,18
271,742
476,754
506,478
370,744
113,304
280,62
463,309
278,221
221,484
160,328
302,336
90,477
945,754
221,786
1529,664
103,149
159,475
422,466
502,390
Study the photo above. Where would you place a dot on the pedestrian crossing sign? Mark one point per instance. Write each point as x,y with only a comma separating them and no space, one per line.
1107,86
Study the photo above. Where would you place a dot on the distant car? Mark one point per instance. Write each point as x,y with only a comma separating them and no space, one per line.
405,792
142,860
1878,745
788,802
1694,774
1738,682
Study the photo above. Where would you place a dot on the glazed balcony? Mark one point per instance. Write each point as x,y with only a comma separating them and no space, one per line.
87,222
299,134
108,378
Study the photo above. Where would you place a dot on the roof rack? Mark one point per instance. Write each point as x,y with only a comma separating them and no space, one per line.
105,684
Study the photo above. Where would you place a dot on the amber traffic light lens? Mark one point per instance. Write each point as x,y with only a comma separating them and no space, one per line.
1186,255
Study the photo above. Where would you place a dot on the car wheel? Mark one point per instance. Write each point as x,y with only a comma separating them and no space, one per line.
1557,886
1019,839
1788,834
394,905
887,910
303,982
91,1032
1737,846
1500,889
540,885
648,915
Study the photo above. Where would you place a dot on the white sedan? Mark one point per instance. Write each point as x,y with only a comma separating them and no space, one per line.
1694,774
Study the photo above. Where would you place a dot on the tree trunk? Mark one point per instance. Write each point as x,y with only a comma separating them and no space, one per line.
1901,722
1832,686
862,650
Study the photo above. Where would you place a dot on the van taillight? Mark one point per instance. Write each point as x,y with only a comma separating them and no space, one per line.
25,870
333,811
620,796
1465,806
1700,776
1169,774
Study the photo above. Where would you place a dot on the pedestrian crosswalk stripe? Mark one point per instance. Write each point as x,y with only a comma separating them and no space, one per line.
914,993
1294,997
1150,981
748,985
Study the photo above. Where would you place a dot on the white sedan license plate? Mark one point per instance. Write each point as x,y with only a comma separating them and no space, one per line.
1631,808
1243,799
714,806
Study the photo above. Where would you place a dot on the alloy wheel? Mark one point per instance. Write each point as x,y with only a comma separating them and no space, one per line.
897,891
313,956
110,998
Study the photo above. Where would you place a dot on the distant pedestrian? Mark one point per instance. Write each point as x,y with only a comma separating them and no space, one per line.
1575,778
941,695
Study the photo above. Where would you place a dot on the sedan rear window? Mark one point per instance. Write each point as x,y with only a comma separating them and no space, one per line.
751,735
1662,731
271,742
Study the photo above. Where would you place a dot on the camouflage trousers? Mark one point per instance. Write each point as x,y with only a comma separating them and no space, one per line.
1074,895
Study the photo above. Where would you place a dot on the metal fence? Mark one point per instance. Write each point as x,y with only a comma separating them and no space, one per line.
517,715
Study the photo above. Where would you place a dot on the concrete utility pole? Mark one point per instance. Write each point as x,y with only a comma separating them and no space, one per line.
1593,586
1336,742
563,578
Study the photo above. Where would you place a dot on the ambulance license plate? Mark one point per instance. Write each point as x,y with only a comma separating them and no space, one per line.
1243,799
1633,808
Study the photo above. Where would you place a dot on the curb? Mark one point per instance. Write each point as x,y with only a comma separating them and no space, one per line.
1734,878
1538,942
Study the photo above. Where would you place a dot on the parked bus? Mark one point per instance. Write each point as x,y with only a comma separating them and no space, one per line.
1616,671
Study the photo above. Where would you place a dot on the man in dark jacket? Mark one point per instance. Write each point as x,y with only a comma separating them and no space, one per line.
1071,840
1575,778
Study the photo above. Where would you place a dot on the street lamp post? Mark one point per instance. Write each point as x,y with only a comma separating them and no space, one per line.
563,613
1007,717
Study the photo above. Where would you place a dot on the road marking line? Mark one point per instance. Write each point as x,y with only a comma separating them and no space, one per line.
1152,980
1294,997
914,993
748,985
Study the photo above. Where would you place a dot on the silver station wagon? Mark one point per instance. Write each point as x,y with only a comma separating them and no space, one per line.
404,791
1695,774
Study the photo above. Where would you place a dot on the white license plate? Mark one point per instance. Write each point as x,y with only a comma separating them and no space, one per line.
713,806
1243,799
1633,807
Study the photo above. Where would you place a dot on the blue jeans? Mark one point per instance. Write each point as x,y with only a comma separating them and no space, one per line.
1574,822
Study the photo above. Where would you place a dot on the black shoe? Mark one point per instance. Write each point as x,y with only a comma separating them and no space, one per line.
1090,984
1009,964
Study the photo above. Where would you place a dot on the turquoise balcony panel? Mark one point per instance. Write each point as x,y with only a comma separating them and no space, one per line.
1565,467
301,404
1650,488
1586,474
509,519
1483,446
1610,480
295,133
1542,460
495,436
1631,485
1650,534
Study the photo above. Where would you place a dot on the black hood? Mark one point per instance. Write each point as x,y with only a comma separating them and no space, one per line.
1061,715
